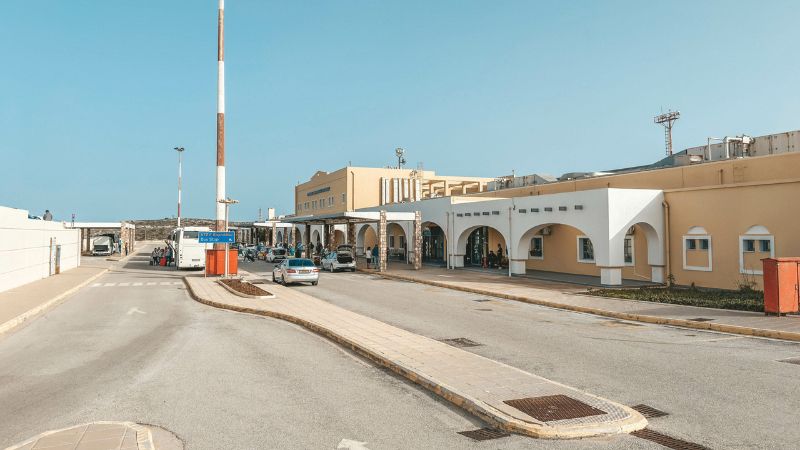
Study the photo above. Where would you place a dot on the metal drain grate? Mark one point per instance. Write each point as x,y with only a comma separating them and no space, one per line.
482,309
667,441
648,411
701,319
461,342
795,360
484,434
482,300
554,407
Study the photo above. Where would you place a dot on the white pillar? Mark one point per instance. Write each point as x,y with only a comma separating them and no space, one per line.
657,274
611,276
517,266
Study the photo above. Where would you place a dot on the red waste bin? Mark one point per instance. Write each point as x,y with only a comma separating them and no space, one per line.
781,285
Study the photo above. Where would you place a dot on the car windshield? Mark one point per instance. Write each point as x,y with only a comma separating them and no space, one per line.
301,262
279,251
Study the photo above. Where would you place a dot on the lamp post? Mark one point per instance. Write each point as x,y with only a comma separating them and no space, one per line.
180,170
227,202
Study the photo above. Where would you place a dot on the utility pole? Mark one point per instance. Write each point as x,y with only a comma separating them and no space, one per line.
220,216
667,119
180,164
399,152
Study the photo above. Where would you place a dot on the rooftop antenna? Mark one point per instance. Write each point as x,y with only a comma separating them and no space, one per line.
399,152
666,120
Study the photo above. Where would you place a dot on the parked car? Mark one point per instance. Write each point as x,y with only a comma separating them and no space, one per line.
261,251
296,270
341,259
276,254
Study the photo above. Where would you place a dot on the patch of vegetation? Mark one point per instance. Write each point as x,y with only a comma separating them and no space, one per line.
745,299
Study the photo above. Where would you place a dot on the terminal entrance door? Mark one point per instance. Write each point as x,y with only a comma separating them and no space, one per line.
433,244
477,246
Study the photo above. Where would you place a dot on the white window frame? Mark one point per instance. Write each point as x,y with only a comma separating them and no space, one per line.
629,237
698,248
541,239
580,251
757,247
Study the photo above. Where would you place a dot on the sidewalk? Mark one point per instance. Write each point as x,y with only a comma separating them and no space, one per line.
568,296
92,436
486,388
25,302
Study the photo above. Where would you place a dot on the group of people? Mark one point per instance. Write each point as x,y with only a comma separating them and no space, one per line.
373,256
494,260
160,253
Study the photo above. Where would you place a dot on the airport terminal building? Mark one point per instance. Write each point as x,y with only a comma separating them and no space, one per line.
705,216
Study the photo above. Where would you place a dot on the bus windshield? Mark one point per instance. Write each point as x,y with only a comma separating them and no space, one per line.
191,234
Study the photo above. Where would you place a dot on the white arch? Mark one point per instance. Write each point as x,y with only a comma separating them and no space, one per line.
757,229
697,230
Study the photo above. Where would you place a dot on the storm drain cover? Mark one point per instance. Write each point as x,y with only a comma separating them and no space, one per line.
482,300
701,319
483,434
795,360
667,441
554,407
461,342
648,411
482,309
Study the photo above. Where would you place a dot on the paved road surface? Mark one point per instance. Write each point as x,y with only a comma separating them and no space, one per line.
720,390
135,347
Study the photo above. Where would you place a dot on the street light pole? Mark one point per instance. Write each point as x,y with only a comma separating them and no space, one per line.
180,170
227,202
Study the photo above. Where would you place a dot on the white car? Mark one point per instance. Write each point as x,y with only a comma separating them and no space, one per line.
341,259
296,270
276,254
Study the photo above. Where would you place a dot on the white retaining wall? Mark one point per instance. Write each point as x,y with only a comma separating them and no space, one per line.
25,247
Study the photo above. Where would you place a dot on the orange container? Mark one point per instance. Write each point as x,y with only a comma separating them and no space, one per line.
781,285
215,262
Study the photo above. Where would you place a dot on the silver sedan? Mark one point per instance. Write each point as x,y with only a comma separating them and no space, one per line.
296,270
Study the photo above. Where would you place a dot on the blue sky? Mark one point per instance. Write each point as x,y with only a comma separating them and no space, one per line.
97,93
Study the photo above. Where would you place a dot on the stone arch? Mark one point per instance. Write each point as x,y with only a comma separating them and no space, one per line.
366,236
560,249
434,243
339,238
316,236
493,238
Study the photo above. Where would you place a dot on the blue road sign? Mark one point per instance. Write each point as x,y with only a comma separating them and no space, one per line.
216,237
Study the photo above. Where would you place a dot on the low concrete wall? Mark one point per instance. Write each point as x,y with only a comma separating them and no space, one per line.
25,247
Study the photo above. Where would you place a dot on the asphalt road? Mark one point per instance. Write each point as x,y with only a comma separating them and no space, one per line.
720,390
134,346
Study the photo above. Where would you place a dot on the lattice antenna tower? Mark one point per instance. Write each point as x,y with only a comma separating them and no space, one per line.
667,120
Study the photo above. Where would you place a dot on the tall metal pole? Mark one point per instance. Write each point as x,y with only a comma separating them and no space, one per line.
220,216
180,170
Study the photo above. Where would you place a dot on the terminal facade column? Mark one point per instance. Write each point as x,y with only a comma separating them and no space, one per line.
417,240
382,242
330,236
273,236
351,234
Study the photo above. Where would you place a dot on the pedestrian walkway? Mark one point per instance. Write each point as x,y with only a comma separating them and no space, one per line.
92,436
24,302
507,397
571,297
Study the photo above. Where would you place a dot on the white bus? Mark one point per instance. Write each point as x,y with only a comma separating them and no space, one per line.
189,253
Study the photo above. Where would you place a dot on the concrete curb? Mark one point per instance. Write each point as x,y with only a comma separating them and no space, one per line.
31,313
733,329
144,437
472,405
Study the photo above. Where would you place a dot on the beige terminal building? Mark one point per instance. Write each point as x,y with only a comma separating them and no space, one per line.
704,216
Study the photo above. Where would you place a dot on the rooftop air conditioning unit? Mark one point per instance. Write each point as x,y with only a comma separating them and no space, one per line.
546,231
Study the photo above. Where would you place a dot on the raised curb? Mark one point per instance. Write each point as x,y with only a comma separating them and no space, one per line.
733,329
31,313
144,437
474,406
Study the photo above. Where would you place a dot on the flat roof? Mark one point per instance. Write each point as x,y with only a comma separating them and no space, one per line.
352,216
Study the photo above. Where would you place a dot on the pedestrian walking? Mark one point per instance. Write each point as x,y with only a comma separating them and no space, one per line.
170,255
153,257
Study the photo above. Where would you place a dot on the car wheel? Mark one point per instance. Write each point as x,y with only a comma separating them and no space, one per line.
314,283
283,280
331,269
274,280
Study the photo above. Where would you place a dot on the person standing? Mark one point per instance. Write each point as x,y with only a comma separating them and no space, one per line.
369,257
376,256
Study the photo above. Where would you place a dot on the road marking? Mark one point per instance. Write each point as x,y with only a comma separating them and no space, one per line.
97,284
124,284
177,282
351,445
109,284
165,283
135,310
151,283
138,283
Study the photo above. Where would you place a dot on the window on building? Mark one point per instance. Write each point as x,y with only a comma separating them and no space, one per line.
697,250
765,245
756,243
344,198
585,250
749,245
391,241
704,243
691,244
402,241
628,250
537,247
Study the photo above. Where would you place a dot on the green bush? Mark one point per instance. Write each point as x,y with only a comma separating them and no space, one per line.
743,300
